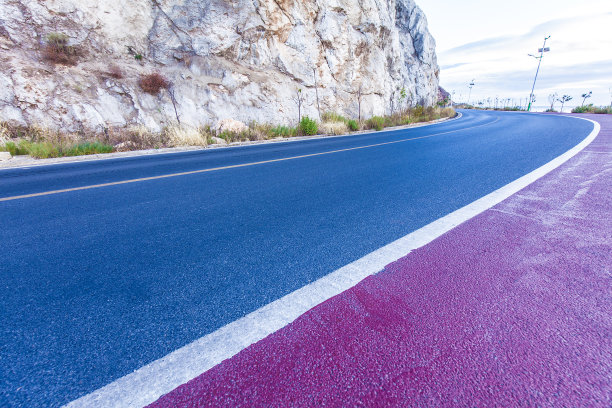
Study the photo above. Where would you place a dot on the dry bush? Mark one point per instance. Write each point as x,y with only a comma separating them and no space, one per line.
115,72
134,138
58,51
183,135
333,128
153,83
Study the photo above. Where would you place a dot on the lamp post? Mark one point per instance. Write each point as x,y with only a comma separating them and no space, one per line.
470,95
541,51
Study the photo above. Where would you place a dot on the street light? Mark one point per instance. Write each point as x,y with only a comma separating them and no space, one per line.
470,95
541,51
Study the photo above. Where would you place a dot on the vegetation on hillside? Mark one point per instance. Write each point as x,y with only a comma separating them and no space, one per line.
40,142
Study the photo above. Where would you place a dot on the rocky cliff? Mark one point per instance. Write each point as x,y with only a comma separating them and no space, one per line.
240,59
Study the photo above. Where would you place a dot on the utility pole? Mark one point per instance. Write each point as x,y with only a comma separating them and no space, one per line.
541,51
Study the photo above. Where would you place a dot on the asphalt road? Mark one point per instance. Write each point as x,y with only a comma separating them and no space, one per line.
96,283
512,308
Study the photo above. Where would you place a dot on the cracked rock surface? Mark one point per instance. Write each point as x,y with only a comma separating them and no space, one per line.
241,60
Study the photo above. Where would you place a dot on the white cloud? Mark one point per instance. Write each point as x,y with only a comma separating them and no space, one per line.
489,41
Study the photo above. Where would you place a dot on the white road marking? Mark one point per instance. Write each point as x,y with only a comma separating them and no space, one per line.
150,382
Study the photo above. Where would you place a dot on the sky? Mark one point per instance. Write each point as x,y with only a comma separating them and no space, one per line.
488,41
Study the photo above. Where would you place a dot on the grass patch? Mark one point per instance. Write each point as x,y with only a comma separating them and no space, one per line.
376,122
284,131
45,150
42,142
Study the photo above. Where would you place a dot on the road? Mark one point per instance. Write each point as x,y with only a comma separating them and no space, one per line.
511,308
100,281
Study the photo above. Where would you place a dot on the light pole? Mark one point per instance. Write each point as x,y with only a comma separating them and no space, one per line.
470,95
541,51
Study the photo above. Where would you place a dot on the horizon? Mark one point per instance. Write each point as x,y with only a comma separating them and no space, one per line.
489,42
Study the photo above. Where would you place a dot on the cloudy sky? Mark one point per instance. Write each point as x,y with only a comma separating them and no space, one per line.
489,41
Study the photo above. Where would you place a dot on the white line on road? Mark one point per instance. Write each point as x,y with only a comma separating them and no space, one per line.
150,382
234,166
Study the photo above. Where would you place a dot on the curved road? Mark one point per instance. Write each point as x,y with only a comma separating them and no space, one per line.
98,282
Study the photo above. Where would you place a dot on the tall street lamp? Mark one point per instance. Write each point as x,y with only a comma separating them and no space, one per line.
470,95
541,51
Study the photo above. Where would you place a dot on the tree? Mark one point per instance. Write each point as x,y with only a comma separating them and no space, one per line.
563,99
359,96
298,99
586,96
314,71
552,98
402,97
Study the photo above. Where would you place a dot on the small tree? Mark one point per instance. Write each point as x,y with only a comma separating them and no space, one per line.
359,96
402,98
552,98
314,72
586,96
563,99
298,99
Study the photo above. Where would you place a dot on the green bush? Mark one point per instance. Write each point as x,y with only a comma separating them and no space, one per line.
583,109
419,110
352,125
15,149
308,126
44,150
284,131
376,122
592,109
603,111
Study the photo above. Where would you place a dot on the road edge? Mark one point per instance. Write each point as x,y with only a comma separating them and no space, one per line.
190,149
150,382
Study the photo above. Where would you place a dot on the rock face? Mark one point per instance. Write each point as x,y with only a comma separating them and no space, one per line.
240,59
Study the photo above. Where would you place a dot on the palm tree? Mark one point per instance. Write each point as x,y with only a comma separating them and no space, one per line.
563,99
586,96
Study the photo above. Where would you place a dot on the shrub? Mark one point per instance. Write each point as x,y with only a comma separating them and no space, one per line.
115,72
582,109
334,128
308,126
352,125
592,109
333,117
419,110
58,51
603,111
183,135
85,148
284,131
153,83
376,122
15,149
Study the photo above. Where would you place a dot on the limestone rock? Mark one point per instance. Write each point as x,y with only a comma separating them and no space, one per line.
230,125
236,59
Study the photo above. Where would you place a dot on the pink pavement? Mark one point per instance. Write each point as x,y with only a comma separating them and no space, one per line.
512,308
